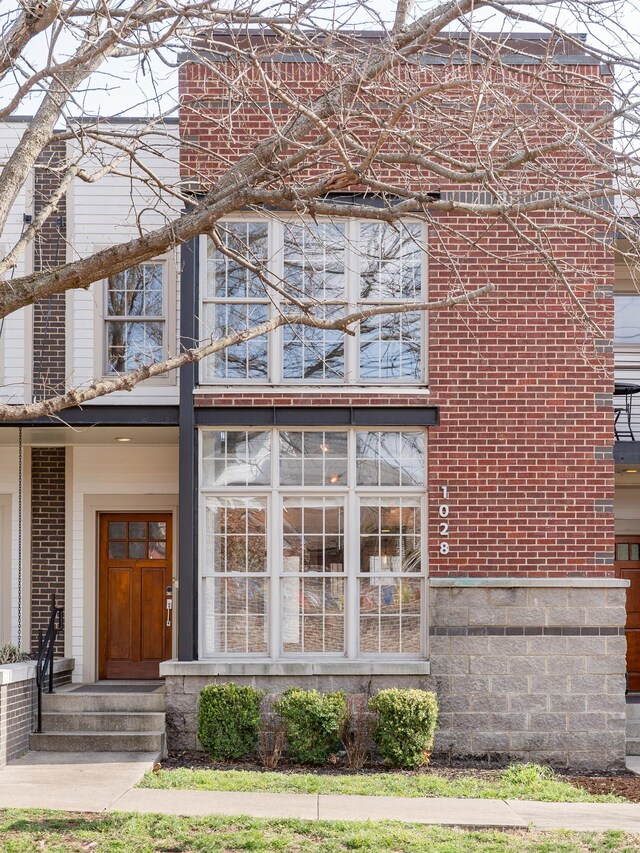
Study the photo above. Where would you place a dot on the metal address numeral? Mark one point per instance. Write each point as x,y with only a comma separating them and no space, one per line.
443,526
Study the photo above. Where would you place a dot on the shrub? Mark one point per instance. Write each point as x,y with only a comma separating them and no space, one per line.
405,726
228,720
12,654
313,723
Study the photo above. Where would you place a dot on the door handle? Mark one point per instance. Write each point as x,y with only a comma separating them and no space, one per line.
169,609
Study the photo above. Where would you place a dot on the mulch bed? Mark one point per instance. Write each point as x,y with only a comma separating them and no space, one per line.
621,783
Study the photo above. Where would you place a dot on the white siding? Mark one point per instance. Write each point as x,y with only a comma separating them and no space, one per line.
103,213
105,470
13,368
9,555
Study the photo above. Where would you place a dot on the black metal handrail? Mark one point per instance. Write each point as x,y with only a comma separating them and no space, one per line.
46,646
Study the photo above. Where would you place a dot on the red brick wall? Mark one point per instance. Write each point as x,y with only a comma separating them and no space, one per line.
49,371
47,536
524,390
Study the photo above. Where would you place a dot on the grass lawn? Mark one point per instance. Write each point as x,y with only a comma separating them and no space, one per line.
57,832
518,782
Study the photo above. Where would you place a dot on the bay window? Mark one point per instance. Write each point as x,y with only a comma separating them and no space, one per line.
313,543
329,269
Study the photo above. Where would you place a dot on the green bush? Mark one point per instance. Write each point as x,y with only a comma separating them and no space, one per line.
12,654
228,720
406,725
313,723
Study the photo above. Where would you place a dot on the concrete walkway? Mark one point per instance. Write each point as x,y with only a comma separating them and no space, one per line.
104,782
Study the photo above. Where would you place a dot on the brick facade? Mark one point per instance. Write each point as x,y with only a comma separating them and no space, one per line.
49,368
48,495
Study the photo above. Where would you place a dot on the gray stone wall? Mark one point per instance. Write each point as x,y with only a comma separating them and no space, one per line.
531,673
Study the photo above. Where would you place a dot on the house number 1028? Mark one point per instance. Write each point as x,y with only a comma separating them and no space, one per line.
443,525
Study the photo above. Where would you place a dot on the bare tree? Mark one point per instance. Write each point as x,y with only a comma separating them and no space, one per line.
503,143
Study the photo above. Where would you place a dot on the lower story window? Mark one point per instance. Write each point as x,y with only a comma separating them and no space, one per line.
312,543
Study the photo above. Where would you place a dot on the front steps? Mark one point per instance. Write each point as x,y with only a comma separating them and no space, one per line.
98,718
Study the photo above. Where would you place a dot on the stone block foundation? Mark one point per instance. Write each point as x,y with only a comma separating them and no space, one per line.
527,669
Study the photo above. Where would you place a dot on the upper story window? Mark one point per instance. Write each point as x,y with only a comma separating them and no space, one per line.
331,268
135,317
627,320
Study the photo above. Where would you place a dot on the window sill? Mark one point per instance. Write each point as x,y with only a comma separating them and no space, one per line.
298,668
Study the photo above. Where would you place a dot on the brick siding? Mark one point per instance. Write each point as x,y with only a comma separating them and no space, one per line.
49,369
47,536
16,719
524,392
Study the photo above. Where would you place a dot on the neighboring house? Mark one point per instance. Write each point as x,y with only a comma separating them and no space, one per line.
429,504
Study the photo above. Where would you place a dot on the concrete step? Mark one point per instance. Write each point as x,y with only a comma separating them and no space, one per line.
70,702
153,741
98,721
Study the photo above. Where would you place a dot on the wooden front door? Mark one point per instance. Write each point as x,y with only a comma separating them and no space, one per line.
628,567
135,582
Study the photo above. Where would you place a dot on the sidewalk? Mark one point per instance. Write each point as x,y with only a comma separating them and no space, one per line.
103,782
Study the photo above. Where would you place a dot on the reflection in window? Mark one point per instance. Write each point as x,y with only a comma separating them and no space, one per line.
330,522
135,321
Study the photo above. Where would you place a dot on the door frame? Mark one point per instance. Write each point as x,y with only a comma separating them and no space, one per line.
632,539
86,626
168,631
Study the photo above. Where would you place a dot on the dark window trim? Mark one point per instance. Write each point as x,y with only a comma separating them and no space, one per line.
320,416
105,416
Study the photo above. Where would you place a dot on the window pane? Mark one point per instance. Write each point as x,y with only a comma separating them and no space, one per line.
314,354
236,458
314,260
390,266
627,319
390,615
157,530
137,530
227,278
235,535
133,344
117,530
313,615
137,550
136,292
390,458
622,551
157,550
117,550
313,535
242,361
313,458
235,615
390,535
390,347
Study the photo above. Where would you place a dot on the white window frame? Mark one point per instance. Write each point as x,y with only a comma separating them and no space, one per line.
168,317
274,494
352,302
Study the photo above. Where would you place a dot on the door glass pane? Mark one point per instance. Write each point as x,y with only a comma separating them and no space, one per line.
157,530
137,550
622,551
117,530
635,551
117,550
157,550
137,530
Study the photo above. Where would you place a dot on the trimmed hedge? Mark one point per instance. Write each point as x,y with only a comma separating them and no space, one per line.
228,720
313,723
406,725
